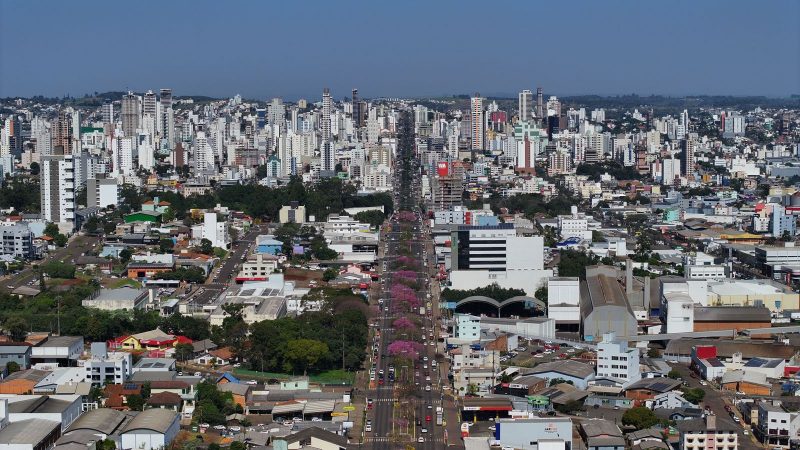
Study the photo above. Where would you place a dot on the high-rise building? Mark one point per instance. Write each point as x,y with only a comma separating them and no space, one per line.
617,361
130,113
276,115
525,105
167,118
689,148
149,104
559,162
107,112
327,162
203,153
539,104
12,138
61,134
477,125
57,194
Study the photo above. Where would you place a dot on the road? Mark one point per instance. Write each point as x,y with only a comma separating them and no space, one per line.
223,275
77,245
404,409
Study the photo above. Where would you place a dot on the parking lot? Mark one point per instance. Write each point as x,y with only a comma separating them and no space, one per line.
537,352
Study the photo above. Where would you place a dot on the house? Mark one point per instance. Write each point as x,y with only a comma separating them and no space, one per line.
140,270
669,400
227,377
218,357
647,388
22,382
58,377
241,392
105,265
677,414
601,434
165,400
711,433
646,438
751,383
151,429
124,298
18,352
62,409
578,373
200,347
149,340
117,395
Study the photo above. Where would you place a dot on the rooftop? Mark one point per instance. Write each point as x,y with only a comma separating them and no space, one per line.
566,367
155,419
30,431
123,293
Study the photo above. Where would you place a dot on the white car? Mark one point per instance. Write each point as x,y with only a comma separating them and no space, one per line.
368,428
235,428
219,427
421,439
428,388
251,382
424,430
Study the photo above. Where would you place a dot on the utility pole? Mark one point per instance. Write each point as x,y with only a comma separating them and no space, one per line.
58,314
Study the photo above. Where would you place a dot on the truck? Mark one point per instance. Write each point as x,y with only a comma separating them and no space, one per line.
439,415
421,310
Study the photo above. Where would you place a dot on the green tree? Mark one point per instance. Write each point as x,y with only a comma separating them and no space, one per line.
91,225
597,236
674,374
146,388
556,381
330,274
695,395
12,366
305,353
184,352
105,444
639,418
135,402
168,215
206,247
60,240
51,230
238,445
373,217
125,256
653,353
34,168
58,269
570,407
165,245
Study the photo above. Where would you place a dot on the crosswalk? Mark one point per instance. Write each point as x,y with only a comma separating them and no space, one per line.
373,439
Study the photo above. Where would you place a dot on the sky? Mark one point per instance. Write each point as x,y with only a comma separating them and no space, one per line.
408,48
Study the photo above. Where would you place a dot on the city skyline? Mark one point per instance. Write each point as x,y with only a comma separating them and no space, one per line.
410,50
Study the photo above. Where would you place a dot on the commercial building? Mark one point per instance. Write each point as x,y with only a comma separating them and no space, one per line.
601,434
482,255
151,429
578,373
124,298
604,305
563,301
775,425
548,433
774,296
62,350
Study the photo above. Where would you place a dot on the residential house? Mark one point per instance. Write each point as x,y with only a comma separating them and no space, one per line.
601,434
647,388
750,383
711,433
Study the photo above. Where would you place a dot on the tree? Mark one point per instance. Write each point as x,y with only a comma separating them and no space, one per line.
168,215
674,374
34,168
146,390
206,247
105,444
373,217
597,236
135,402
58,269
51,230
653,353
91,225
184,352
60,240
570,407
12,366
238,445
639,417
695,395
556,381
305,353
165,245
330,274
125,255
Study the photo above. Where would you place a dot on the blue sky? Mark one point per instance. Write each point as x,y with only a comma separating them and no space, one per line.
400,48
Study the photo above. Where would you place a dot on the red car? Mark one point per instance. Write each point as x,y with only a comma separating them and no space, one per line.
427,418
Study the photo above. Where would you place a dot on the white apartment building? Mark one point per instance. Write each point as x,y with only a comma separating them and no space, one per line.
775,425
258,268
574,225
105,366
710,272
58,186
215,230
616,361
102,192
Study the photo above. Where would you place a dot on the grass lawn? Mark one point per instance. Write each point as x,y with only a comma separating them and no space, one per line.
120,282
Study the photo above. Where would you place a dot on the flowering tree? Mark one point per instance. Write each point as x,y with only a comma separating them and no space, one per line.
404,349
406,216
404,323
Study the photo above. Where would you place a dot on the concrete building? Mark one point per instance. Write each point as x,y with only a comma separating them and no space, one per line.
482,255
104,366
58,185
124,298
616,361
151,429
18,352
774,296
579,373
548,433
215,230
563,301
292,213
604,305
711,433
102,192
62,350
17,241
